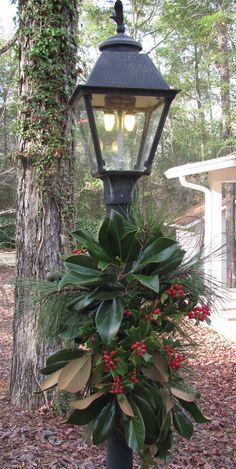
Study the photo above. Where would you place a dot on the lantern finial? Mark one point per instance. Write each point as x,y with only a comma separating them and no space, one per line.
118,16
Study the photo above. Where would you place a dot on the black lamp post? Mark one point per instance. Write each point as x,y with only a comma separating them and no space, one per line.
121,111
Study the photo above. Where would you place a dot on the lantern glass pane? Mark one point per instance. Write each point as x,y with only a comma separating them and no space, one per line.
126,126
83,136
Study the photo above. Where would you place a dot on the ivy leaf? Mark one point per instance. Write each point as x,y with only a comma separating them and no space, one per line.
108,318
75,374
104,423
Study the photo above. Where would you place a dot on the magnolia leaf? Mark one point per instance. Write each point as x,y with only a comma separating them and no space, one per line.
185,396
78,280
182,422
158,251
149,419
115,231
194,410
95,250
154,374
51,381
168,401
125,406
84,403
108,318
76,374
81,260
153,450
135,429
130,248
104,423
160,364
150,281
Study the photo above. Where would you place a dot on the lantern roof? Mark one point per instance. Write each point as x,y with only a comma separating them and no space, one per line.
123,67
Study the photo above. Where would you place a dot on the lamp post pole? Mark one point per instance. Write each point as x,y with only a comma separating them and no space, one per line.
121,111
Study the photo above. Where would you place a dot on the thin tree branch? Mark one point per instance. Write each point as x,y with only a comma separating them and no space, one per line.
11,170
8,44
10,211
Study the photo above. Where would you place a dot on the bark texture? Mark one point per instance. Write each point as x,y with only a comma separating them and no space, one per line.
47,63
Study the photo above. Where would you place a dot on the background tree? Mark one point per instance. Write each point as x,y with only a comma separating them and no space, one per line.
45,169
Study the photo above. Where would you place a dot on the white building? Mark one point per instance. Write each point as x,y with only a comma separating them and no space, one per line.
205,225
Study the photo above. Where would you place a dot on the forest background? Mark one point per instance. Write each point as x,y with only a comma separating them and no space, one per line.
192,43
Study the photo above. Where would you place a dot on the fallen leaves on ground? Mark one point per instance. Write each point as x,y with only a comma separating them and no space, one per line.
41,439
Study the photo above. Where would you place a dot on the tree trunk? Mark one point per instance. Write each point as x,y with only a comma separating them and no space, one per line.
47,63
223,66
197,57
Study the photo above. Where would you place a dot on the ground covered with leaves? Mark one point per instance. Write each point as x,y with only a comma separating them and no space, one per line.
40,439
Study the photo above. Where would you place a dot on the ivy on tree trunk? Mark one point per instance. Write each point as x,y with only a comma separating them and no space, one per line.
47,64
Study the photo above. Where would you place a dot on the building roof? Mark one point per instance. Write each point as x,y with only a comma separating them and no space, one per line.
207,166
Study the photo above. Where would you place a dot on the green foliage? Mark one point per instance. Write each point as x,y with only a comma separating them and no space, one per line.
123,326
7,231
49,76
89,224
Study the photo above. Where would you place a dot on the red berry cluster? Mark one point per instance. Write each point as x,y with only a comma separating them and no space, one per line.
116,387
176,291
134,378
174,359
140,347
200,313
110,363
152,315
128,313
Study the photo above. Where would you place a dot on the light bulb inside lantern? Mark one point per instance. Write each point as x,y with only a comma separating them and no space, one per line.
114,146
109,121
129,122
